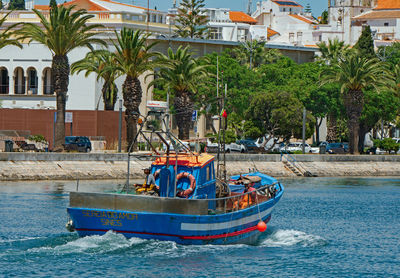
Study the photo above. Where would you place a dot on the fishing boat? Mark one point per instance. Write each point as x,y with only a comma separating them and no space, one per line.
192,204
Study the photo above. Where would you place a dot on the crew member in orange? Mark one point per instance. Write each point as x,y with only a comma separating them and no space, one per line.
248,199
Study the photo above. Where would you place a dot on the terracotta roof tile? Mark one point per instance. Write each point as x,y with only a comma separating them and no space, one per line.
89,5
271,33
302,18
241,17
80,4
388,4
378,14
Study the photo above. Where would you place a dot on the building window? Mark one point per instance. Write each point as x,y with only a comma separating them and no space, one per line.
386,24
19,81
47,87
284,9
215,33
291,37
32,81
4,81
299,36
242,34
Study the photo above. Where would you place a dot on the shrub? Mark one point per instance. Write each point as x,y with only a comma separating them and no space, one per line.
37,138
387,144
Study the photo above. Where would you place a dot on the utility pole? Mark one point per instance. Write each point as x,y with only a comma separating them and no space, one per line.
148,15
304,130
120,126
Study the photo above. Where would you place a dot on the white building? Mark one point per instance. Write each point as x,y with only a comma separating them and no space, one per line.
384,20
346,17
288,20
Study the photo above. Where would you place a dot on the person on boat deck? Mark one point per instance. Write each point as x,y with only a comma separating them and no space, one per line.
248,199
149,183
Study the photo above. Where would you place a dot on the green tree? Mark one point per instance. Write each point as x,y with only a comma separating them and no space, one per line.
319,100
254,53
133,58
383,106
365,44
61,32
355,74
331,53
190,20
324,17
17,5
6,36
181,75
53,3
279,114
100,62
308,8
390,53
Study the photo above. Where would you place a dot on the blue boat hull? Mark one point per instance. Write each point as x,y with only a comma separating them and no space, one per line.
227,228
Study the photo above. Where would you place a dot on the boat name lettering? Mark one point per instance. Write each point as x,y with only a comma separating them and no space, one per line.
109,214
111,222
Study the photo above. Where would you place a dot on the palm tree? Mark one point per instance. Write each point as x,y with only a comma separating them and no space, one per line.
63,31
132,58
6,36
354,74
100,62
331,53
181,75
254,54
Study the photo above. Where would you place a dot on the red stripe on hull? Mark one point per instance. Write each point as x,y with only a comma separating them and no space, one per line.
247,230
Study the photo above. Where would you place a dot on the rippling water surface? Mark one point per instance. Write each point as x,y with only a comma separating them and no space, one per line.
322,227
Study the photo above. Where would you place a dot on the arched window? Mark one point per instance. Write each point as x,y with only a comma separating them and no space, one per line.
4,81
19,81
47,87
32,81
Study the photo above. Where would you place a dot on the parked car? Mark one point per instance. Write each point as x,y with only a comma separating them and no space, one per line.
375,150
270,146
250,145
232,147
296,146
171,146
337,148
77,143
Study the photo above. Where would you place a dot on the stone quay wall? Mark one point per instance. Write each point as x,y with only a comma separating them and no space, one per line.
72,166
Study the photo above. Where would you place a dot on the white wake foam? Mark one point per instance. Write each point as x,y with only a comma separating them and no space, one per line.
10,240
281,238
92,244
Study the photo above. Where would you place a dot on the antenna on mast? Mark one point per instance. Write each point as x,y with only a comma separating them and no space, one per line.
249,5
174,4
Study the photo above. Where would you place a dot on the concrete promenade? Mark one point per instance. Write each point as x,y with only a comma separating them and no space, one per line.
71,166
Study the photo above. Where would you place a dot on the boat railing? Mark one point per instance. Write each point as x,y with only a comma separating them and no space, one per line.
248,199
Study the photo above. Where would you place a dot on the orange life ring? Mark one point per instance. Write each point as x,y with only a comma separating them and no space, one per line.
192,187
156,173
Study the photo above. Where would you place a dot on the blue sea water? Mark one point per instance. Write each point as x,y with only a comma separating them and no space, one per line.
322,227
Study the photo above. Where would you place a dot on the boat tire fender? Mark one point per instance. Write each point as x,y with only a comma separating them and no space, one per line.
272,190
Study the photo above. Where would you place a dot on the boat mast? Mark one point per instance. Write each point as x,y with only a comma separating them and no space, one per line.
221,165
